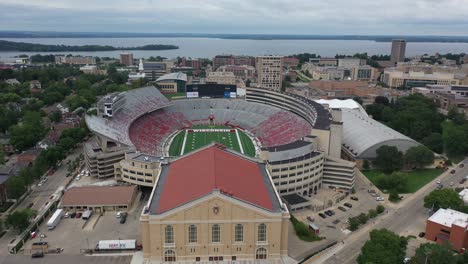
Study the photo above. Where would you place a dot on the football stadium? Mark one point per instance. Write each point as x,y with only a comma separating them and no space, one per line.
298,140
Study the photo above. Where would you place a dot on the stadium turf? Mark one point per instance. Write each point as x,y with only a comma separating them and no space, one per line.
196,140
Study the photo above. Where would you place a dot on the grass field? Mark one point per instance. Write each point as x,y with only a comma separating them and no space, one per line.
416,179
196,140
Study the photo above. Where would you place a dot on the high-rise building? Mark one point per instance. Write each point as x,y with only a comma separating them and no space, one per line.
398,50
126,58
269,72
221,60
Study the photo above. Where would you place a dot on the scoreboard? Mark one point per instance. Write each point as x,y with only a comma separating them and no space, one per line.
211,90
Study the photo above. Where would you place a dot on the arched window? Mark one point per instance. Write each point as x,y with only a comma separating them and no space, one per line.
169,255
192,230
169,234
262,233
215,233
239,233
261,253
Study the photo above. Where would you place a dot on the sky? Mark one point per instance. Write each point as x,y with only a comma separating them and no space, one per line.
331,17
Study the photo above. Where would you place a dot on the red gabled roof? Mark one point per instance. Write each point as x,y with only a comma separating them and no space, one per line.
213,168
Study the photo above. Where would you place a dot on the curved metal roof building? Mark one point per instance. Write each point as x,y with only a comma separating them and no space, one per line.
362,135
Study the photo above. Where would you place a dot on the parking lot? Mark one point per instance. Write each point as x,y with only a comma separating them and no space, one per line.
74,238
333,227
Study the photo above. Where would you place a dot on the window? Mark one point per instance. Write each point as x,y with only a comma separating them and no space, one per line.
169,234
169,255
215,234
192,234
261,253
262,233
239,233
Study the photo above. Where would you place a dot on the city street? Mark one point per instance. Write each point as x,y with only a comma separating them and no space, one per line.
407,218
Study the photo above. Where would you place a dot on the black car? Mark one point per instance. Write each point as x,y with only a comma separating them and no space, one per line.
354,198
422,234
342,208
348,205
123,219
329,212
38,254
72,215
322,215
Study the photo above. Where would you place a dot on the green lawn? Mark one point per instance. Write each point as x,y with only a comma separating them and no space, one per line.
196,140
416,178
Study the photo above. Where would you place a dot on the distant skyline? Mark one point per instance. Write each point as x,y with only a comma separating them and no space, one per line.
378,17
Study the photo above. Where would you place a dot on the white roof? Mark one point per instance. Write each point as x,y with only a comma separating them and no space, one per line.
337,103
179,76
362,135
447,217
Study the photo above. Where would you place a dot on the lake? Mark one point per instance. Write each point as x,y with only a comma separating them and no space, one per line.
209,47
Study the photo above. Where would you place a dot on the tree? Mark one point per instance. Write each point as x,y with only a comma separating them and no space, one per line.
358,100
393,182
389,159
365,165
435,142
20,219
434,254
2,157
418,157
29,132
394,196
16,186
443,198
381,100
372,213
55,116
363,218
353,223
384,247
380,209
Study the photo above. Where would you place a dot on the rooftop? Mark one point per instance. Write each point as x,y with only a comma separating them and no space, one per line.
447,217
200,173
99,195
179,76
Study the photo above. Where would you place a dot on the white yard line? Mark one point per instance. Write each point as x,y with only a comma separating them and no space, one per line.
240,142
183,143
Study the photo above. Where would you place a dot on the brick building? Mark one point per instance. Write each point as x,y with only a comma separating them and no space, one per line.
448,225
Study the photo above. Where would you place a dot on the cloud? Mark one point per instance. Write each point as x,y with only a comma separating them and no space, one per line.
435,17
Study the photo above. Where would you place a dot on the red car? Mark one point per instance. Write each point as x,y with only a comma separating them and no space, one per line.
78,215
51,172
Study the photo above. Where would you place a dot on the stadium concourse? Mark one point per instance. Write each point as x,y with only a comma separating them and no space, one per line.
298,140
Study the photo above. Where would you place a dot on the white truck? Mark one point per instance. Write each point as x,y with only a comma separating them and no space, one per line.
55,219
129,244
87,214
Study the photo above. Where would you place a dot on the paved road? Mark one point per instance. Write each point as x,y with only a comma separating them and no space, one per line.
408,218
39,196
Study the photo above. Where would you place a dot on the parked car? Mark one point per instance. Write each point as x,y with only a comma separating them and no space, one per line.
348,205
72,215
451,183
354,198
120,214
440,186
374,195
421,234
310,219
462,181
67,215
123,219
438,182
342,208
78,215
371,191
329,212
461,165
452,172
379,199
37,254
322,215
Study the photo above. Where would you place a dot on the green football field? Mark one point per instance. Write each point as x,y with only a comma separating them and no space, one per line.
187,141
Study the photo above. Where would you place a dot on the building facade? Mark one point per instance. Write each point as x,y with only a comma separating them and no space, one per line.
221,78
242,71
398,51
219,219
447,225
80,60
221,60
269,72
126,58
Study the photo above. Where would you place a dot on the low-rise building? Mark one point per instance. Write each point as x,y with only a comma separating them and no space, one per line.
99,198
221,78
240,71
447,225
172,83
139,169
225,210
221,60
80,60
92,69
